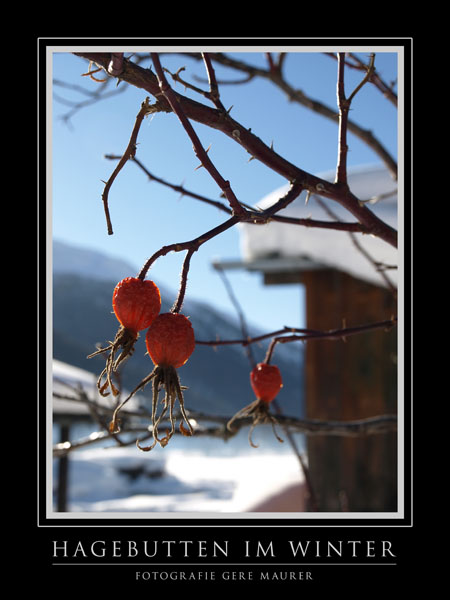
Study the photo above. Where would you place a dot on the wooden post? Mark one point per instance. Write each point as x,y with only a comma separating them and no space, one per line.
346,380
63,472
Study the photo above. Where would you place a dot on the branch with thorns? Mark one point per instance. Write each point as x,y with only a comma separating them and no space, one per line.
186,109
361,427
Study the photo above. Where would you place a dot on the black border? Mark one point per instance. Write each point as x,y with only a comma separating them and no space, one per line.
400,530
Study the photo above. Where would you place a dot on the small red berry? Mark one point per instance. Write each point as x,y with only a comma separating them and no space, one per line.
136,303
170,340
266,381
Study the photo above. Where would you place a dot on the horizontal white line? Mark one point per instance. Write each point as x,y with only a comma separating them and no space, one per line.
169,565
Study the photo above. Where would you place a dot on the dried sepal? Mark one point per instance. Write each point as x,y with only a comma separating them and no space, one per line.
166,377
259,411
124,340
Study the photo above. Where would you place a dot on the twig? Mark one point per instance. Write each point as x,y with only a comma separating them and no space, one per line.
333,334
129,153
213,87
344,107
311,499
177,188
304,334
240,313
189,245
193,245
354,62
294,191
93,97
184,274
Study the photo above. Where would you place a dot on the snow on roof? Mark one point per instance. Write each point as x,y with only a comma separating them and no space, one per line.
327,247
67,379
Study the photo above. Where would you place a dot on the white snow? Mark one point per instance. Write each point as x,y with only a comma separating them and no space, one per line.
67,379
325,247
183,481
191,475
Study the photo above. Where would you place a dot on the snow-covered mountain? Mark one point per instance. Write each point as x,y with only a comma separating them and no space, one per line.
89,263
217,378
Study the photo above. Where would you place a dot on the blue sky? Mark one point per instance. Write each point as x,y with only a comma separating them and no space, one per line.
146,215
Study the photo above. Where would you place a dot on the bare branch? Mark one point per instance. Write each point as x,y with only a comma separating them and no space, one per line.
369,426
296,95
240,313
213,87
354,62
259,216
190,109
344,107
332,334
281,336
189,245
130,151
184,274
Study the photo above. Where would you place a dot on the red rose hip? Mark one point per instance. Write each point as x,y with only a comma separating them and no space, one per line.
266,381
170,340
136,303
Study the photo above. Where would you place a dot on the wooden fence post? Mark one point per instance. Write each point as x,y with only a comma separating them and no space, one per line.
346,380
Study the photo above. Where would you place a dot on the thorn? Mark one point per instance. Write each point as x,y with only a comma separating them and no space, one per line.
229,110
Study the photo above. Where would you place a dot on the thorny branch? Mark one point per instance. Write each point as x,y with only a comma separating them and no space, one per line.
201,153
303,335
129,153
344,104
353,62
275,74
187,109
333,334
191,245
305,222
368,426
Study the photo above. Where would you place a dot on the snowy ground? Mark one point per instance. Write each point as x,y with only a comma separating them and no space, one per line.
218,478
190,475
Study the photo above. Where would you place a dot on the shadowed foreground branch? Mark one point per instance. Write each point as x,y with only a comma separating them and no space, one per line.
216,426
